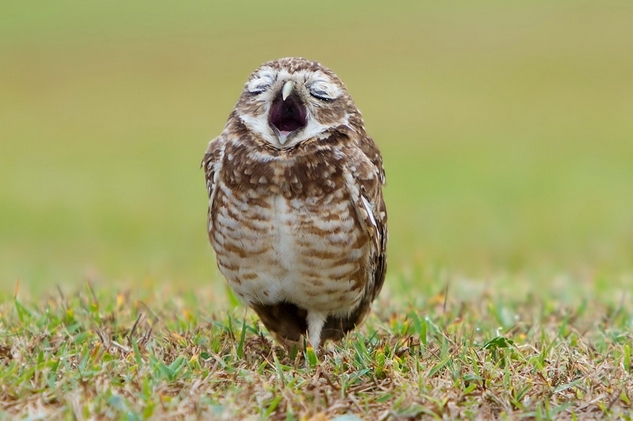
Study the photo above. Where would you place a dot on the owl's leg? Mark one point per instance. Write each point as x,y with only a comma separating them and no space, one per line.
315,320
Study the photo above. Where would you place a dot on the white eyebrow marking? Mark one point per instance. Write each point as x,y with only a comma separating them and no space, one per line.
262,80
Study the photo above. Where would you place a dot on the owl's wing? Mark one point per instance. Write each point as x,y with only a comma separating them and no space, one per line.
211,164
364,178
368,176
372,207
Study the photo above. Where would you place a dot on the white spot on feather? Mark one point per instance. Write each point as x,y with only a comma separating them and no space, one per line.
369,210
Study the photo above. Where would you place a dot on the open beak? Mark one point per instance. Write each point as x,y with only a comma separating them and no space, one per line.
287,113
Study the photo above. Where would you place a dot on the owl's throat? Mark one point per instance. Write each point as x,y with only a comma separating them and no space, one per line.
287,116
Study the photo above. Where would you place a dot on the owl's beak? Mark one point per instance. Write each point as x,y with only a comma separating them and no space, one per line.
286,90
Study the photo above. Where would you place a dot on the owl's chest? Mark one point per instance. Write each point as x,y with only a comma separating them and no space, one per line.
264,218
271,247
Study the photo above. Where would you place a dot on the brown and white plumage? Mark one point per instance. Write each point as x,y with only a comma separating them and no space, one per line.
296,212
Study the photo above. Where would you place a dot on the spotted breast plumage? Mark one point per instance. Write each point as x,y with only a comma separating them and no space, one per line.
296,212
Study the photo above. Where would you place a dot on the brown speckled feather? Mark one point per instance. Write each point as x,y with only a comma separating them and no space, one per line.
296,213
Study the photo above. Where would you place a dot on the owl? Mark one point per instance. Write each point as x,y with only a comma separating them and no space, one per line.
296,212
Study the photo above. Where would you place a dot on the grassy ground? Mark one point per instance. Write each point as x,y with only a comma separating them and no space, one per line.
507,136
120,356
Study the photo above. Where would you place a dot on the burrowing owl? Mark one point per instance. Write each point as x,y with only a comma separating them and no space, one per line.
296,211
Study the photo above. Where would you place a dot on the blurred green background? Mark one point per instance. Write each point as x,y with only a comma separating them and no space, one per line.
506,129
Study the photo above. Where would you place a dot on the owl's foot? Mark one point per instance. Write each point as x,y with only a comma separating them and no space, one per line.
291,346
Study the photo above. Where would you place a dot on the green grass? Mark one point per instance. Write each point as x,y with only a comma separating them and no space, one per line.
507,136
467,356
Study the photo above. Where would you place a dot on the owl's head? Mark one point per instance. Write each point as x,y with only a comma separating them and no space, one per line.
290,100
